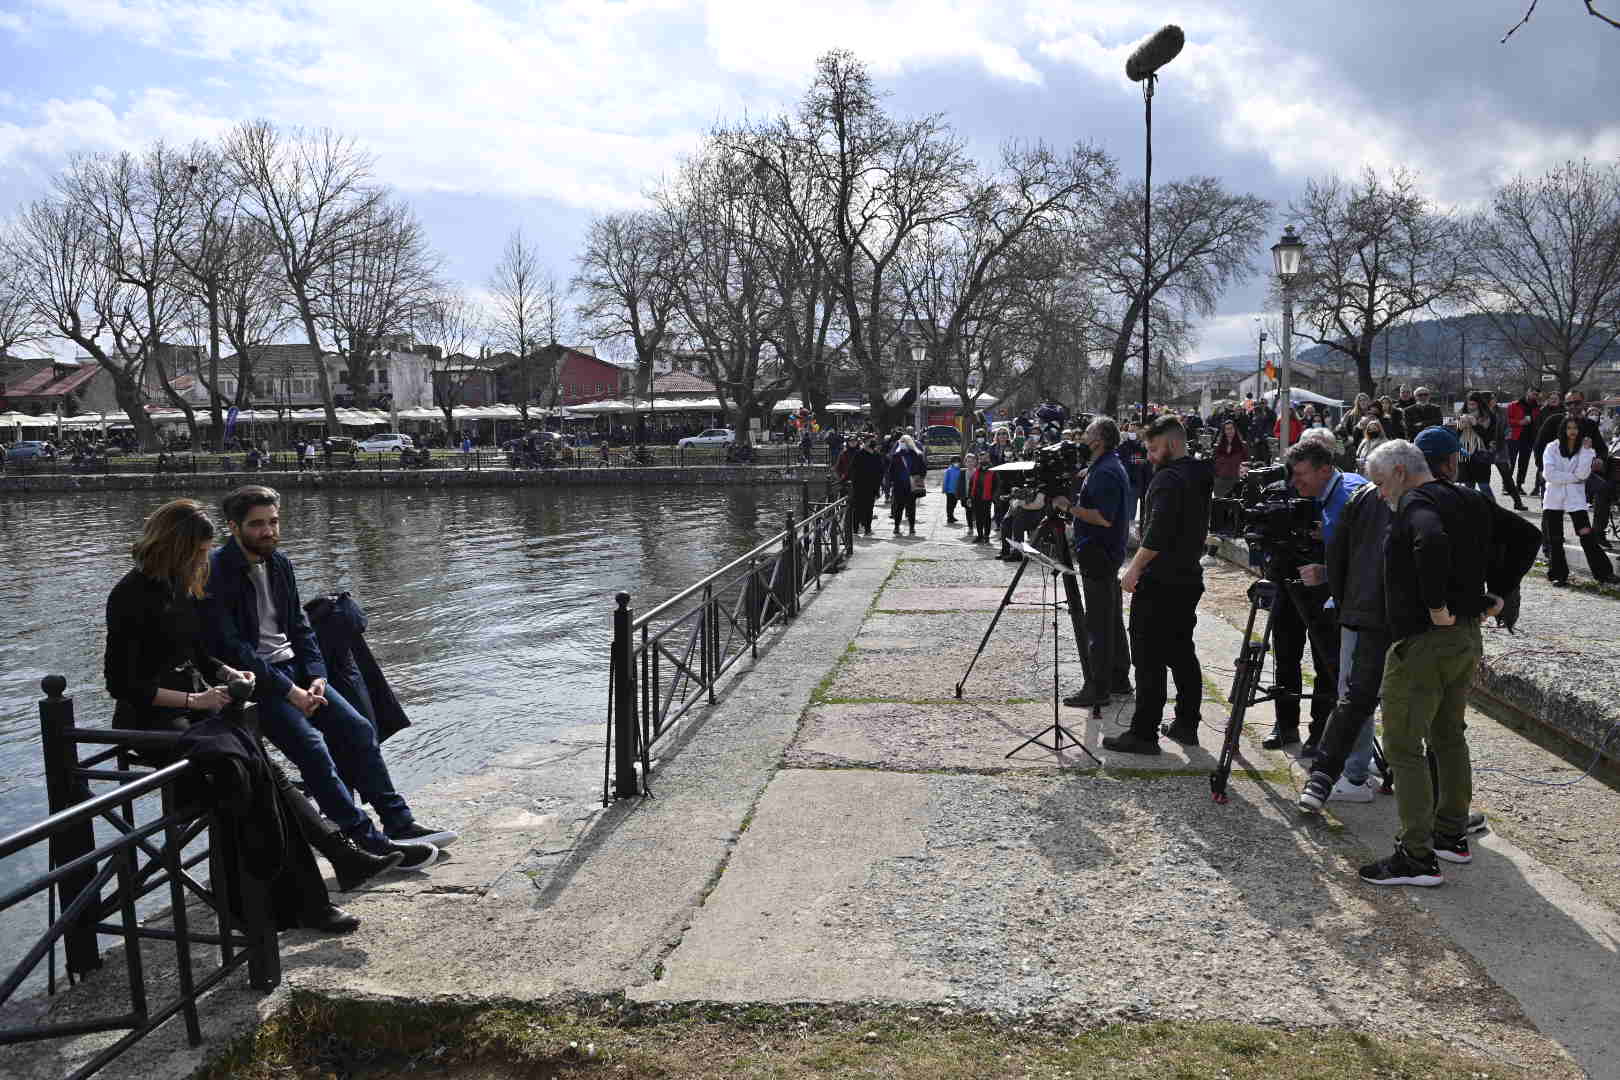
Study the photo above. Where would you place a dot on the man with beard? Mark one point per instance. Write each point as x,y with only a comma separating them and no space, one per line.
256,623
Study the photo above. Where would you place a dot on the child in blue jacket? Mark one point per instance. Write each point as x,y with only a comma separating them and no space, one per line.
952,487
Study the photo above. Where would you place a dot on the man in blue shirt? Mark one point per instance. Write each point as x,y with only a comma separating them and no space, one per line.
1101,524
1310,617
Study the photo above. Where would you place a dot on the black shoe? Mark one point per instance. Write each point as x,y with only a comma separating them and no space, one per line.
1314,795
1310,751
1402,869
353,864
422,834
1452,849
1185,734
1280,737
416,856
1129,742
1087,697
1520,507
330,920
1122,688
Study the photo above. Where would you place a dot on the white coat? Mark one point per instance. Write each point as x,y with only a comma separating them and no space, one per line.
1566,478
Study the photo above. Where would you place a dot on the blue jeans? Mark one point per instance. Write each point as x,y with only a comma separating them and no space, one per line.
335,750
1359,764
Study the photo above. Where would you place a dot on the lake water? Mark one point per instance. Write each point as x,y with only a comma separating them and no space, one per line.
490,609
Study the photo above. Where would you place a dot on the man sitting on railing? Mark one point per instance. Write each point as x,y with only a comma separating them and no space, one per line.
257,621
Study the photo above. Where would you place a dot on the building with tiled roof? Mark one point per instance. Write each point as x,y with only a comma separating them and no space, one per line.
73,386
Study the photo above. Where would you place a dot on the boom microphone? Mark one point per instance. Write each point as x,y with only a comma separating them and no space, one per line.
1154,53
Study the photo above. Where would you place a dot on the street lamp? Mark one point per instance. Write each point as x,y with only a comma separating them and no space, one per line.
1259,362
1288,253
1143,66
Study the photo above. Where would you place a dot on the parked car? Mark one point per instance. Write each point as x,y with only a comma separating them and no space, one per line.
942,435
711,437
340,444
30,449
386,441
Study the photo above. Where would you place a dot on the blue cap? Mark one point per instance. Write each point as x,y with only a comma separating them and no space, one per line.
1438,442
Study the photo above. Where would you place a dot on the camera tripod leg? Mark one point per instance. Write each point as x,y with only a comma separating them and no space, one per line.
1251,664
991,629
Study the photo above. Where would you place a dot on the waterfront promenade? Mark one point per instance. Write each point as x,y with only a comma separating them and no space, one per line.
840,829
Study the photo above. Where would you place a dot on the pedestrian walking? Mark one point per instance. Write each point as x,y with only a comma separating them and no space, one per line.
906,471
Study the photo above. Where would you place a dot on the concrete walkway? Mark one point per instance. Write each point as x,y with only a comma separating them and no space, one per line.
841,828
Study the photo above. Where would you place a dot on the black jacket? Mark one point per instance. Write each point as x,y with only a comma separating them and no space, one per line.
1552,428
1421,416
1355,565
340,627
232,620
1436,555
865,470
154,641
1178,521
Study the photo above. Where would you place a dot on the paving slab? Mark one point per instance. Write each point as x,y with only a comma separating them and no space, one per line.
1080,896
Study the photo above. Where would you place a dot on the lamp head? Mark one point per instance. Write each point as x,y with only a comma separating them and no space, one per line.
1289,253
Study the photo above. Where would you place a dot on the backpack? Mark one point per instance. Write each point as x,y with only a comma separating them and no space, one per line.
1515,543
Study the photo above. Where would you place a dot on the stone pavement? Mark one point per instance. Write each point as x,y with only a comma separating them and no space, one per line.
841,828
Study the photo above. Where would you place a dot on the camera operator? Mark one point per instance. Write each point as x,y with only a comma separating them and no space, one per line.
1165,580
1309,617
1101,523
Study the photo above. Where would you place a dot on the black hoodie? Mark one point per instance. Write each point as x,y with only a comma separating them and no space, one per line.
1178,521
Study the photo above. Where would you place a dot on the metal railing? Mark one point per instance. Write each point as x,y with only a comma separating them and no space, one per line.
671,658
141,858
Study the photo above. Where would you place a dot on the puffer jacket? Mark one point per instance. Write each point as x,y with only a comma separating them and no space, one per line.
1566,478
1357,583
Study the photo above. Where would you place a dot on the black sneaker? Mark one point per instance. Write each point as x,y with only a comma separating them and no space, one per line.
418,833
1129,742
1476,824
1280,737
417,856
1452,849
1185,734
1402,869
1087,697
1314,795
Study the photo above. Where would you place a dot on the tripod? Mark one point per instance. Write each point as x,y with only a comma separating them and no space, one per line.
1061,568
1251,663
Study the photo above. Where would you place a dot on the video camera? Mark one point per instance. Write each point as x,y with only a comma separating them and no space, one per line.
1269,516
1056,469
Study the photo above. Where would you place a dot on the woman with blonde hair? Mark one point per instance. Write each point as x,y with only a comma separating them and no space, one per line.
162,679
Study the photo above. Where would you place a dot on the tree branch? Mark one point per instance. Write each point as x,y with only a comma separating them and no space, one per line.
1596,14
1531,11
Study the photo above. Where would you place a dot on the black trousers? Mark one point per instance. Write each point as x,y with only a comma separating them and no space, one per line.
1509,485
1299,619
950,508
1162,622
1552,529
1107,646
863,500
979,514
1522,451
1355,709
903,503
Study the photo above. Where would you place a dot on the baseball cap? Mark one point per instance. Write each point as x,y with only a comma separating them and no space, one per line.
1438,442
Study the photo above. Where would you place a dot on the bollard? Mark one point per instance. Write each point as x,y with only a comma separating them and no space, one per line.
624,702
62,791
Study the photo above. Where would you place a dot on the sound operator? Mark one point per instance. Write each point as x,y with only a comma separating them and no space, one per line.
1165,580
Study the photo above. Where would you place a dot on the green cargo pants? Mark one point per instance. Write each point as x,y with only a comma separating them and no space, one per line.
1425,692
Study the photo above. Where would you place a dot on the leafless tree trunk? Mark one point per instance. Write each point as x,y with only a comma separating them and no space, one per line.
626,284
1547,259
312,193
451,324
20,322
1379,251
518,292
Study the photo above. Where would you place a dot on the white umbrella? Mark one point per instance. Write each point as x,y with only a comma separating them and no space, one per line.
941,397
844,407
1301,397
599,407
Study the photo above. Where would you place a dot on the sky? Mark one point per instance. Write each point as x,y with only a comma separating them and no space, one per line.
488,116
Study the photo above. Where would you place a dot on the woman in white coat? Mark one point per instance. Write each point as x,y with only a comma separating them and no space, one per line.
1566,464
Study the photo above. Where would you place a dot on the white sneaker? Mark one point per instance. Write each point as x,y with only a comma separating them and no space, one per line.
1345,791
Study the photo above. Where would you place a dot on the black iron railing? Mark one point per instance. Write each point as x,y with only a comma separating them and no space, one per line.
141,858
671,658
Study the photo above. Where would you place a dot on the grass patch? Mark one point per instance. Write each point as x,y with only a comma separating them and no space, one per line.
818,696
590,1040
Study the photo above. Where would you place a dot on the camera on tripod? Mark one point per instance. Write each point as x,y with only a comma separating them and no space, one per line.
1056,468
1269,516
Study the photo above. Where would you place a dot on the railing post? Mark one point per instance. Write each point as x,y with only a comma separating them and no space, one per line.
63,790
624,702
790,567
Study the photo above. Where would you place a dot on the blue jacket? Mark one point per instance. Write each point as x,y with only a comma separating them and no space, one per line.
953,479
231,620
1339,489
1108,491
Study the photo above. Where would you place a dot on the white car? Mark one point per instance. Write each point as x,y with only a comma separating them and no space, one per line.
386,441
711,437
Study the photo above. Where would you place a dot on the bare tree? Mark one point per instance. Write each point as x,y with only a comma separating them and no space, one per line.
376,288
627,289
1547,256
67,280
452,325
312,193
253,311
1379,251
517,322
1591,9
20,322
1203,238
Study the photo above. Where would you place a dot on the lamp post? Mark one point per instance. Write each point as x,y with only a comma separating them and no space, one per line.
1260,365
1288,253
1143,66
